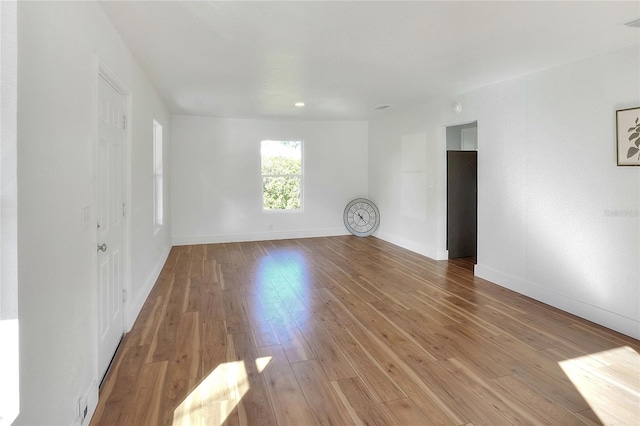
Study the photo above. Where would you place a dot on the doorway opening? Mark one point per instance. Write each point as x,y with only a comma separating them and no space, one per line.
462,193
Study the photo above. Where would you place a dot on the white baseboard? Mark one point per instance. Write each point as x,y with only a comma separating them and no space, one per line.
135,307
92,402
91,399
606,318
442,254
258,236
414,246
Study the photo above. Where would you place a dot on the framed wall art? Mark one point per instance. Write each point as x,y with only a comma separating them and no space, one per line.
628,136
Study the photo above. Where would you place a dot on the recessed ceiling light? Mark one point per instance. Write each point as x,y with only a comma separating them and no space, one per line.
299,104
382,107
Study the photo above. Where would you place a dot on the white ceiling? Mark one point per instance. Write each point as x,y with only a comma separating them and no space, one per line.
255,59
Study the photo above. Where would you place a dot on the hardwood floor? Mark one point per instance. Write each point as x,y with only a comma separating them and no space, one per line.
467,263
343,330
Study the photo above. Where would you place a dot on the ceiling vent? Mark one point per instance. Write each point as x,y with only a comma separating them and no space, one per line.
634,24
383,107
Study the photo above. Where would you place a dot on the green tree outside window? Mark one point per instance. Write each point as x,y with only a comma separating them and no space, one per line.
281,175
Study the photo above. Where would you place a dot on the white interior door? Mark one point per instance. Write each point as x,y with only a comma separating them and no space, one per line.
111,137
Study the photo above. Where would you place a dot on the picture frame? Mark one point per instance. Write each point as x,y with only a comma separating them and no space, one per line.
628,136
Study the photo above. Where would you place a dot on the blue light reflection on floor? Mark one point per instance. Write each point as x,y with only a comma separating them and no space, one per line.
284,271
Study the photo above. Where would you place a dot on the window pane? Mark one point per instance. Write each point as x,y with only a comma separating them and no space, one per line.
281,166
281,193
281,157
158,203
158,200
281,175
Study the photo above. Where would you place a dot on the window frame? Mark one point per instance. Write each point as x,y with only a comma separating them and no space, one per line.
300,176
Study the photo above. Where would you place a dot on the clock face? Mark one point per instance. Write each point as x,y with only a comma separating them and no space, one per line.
361,217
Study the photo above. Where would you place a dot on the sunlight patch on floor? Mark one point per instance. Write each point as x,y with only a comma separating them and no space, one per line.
261,363
217,395
609,382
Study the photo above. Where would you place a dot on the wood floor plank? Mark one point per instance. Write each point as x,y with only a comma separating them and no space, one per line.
164,339
181,270
523,331
264,334
405,377
405,412
212,303
293,342
372,373
288,401
196,269
568,397
469,346
363,404
344,330
145,409
214,346
374,321
186,360
143,331
609,382
426,336
256,401
541,372
546,411
325,351
319,307
588,417
193,296
324,403
510,409
174,395
235,316
455,394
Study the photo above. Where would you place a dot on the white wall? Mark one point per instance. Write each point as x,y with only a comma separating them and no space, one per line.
58,43
548,185
389,185
545,227
9,330
217,187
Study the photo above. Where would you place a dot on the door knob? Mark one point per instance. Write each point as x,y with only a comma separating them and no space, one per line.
102,247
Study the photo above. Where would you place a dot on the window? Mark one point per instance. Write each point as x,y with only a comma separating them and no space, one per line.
281,175
158,204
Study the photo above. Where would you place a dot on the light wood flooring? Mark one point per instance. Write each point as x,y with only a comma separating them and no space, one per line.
345,330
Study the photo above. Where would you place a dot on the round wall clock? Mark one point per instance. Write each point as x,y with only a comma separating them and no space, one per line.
361,217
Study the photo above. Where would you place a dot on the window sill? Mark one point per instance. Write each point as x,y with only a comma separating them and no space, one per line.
265,211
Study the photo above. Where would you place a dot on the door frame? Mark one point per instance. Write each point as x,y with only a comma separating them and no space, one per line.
441,231
102,71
